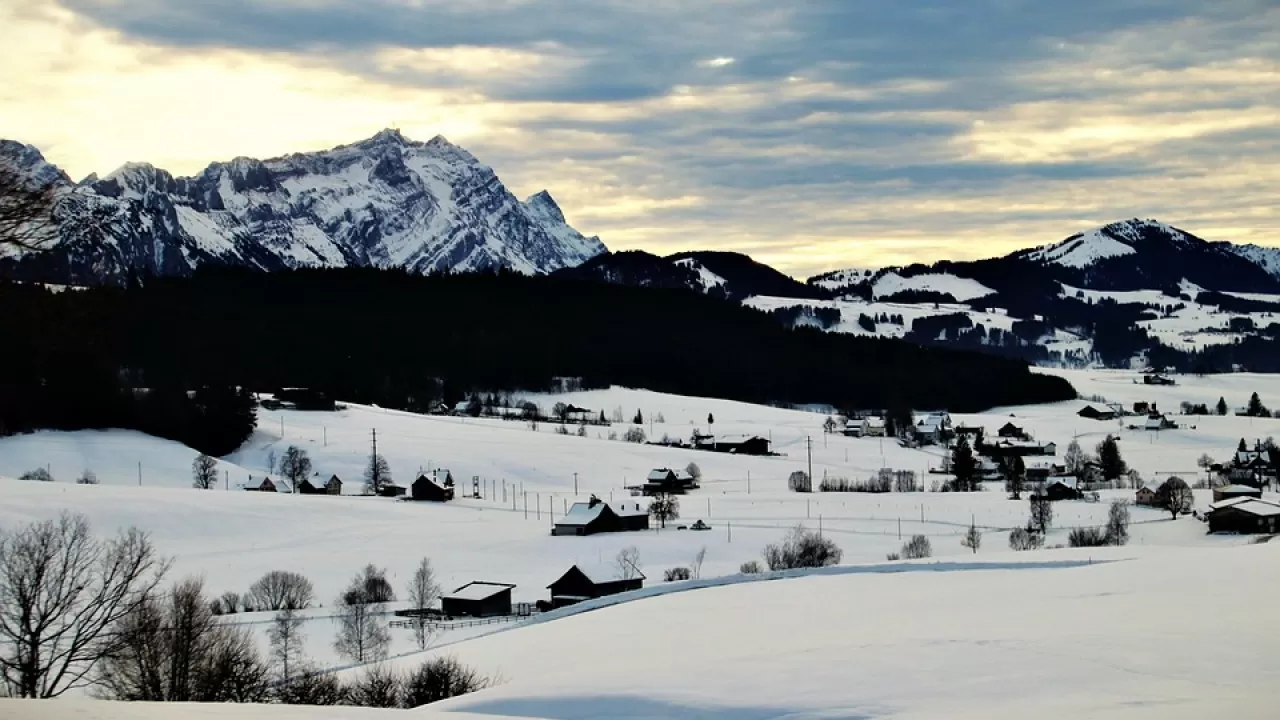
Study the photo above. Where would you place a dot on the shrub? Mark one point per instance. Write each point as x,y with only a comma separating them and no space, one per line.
881,483
312,687
1087,537
633,435
916,548
1022,539
281,590
88,477
893,557
378,687
676,573
802,548
798,481
440,679
37,475
750,567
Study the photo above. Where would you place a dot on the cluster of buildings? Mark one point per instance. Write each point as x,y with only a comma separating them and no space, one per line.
484,599
436,487
1153,419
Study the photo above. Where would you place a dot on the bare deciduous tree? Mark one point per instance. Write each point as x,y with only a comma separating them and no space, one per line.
376,474
1022,539
172,648
281,590
362,634
286,638
628,563
665,507
424,591
295,466
696,565
61,591
1175,496
312,687
1041,514
204,473
37,475
1118,523
916,548
26,209
378,687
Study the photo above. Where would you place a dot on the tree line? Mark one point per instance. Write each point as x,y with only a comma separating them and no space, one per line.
147,355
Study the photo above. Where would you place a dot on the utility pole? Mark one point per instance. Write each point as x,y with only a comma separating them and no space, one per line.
748,482
139,474
808,444
325,430
226,479
575,484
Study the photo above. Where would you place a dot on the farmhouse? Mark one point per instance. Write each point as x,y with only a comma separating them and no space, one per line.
427,489
742,444
1229,492
596,516
268,485
1008,448
392,490
1244,515
1146,496
853,427
1062,488
315,487
1092,413
585,582
575,414
1009,430
478,599
873,426
1156,380
666,480
1159,422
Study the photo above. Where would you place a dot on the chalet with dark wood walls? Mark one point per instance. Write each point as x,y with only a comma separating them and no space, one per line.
268,485
427,489
666,480
313,486
586,582
1090,412
1229,492
478,599
1244,515
392,490
596,516
742,444
1062,488
1009,430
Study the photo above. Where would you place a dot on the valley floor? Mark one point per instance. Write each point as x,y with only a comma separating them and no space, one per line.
1103,640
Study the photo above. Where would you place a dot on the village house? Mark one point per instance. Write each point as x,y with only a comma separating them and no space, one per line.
1090,412
1250,467
1021,448
597,516
431,489
392,490
1009,430
586,582
1244,515
478,599
853,427
666,480
1146,497
742,444
1062,488
873,426
575,414
1159,422
268,485
313,486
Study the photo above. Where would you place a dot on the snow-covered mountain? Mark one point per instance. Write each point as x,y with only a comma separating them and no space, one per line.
1267,258
385,202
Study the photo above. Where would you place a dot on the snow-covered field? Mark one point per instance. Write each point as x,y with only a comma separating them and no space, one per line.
231,537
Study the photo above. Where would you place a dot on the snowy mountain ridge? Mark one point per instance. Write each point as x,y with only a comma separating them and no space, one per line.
384,202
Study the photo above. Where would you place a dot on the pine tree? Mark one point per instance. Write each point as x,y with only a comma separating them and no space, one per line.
964,466
638,419
1256,408
711,419
1222,406
1113,466
1243,446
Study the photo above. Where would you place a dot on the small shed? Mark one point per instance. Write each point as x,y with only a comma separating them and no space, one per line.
1229,492
585,582
1092,413
268,485
596,516
1009,430
426,489
743,444
478,599
1247,516
392,490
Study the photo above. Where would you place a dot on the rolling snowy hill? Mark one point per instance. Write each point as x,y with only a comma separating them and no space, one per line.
385,202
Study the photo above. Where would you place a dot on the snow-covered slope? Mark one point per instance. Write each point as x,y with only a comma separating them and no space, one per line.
1267,258
838,280
384,202
1082,250
962,289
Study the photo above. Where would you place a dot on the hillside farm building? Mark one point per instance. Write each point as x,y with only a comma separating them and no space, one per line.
596,516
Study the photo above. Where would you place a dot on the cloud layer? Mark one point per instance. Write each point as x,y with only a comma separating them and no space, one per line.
813,134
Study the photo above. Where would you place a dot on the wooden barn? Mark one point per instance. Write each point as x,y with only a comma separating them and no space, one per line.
478,599
585,582
597,516
742,444
313,486
1062,488
268,485
1092,413
1245,516
427,489
392,490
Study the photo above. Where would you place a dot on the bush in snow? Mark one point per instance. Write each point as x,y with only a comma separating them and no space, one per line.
440,679
37,475
750,567
916,548
88,477
802,548
798,481
378,687
1087,537
676,573
1022,539
634,435
312,687
893,557
281,590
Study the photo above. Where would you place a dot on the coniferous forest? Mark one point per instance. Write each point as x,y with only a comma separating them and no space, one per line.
178,357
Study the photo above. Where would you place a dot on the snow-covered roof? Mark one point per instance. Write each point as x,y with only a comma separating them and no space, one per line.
1156,422
1232,502
1066,480
737,438
629,509
874,421
1237,488
604,572
660,474
478,591
582,513
1261,508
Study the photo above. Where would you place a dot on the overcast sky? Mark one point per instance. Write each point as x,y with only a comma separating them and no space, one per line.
811,134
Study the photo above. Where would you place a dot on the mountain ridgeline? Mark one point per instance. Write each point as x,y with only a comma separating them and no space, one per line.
403,340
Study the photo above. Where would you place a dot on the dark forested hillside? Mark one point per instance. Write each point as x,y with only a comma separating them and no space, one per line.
402,340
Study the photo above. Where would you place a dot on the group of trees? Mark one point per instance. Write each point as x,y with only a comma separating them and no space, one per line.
802,548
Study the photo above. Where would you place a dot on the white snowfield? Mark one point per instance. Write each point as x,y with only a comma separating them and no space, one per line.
962,289
1101,641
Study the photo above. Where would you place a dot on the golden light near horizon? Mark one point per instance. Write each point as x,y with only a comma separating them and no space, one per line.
773,140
